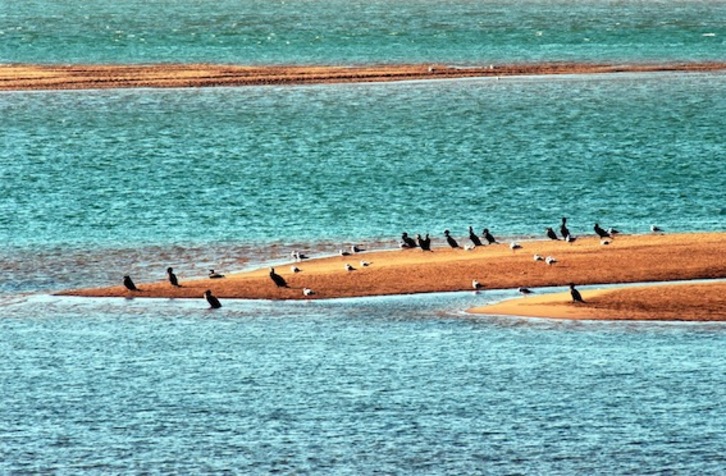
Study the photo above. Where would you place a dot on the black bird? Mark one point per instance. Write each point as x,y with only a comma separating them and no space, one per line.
212,300
213,275
472,236
656,229
450,240
576,296
525,291
600,232
563,229
277,279
172,277
551,233
130,284
407,241
424,243
488,236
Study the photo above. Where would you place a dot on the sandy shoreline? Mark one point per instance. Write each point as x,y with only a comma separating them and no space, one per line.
34,77
628,259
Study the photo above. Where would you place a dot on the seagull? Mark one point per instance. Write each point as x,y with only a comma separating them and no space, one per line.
550,260
212,300
570,239
407,241
365,264
576,296
172,277
349,267
129,284
613,231
295,269
488,236
308,292
450,240
539,258
656,229
277,279
424,243
551,233
343,253
355,249
476,285
600,232
563,229
469,247
213,275
604,242
515,246
472,236
525,291
297,256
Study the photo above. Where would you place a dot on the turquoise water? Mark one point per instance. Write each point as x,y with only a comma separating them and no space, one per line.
97,184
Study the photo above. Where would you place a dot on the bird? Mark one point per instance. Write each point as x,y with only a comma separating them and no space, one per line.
364,264
570,239
613,231
551,233
476,285
576,296
515,246
407,241
213,275
472,236
212,300
172,277
450,240
600,232
488,236
604,242
355,249
277,279
129,284
563,229
297,256
550,260
525,291
656,229
424,243
308,292
469,247
349,267
539,258
295,269
344,253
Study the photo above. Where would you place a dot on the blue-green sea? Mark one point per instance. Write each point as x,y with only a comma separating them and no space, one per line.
95,184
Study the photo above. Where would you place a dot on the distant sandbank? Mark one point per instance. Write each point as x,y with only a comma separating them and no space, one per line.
627,259
30,77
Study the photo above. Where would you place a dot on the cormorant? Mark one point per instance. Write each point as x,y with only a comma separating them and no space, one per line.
576,296
472,236
172,277
407,241
212,300
277,279
129,284
563,229
551,233
450,240
488,236
600,232
424,243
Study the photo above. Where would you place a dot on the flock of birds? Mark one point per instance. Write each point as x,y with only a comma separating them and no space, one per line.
424,243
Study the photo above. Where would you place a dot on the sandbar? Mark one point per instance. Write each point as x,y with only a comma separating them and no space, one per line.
626,259
36,77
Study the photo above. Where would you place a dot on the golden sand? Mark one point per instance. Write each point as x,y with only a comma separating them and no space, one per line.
627,259
16,77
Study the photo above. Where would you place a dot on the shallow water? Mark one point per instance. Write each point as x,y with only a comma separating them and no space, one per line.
97,184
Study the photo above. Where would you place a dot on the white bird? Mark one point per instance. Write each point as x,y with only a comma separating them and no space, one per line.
349,267
515,246
343,253
295,269
355,249
364,263
469,247
476,285
538,258
570,239
297,256
308,292
550,260
656,229
214,275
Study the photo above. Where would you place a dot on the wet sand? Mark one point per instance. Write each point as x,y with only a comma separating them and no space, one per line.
627,259
29,77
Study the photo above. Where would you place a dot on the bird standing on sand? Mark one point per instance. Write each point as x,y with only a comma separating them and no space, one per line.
295,269
348,267
515,246
213,275
355,249
407,241
129,284
600,232
550,260
563,229
172,277
308,292
472,236
476,285
551,233
277,279
450,239
424,243
344,253
570,239
488,236
576,296
212,300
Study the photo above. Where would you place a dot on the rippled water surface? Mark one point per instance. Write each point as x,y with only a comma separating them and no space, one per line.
97,184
